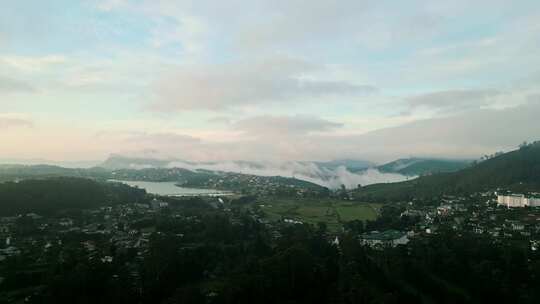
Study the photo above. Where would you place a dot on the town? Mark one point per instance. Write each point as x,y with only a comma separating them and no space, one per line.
126,236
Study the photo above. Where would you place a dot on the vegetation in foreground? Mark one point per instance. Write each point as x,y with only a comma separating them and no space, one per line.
198,254
46,196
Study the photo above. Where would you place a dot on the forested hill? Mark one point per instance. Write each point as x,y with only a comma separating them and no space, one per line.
45,196
14,172
518,170
423,166
197,178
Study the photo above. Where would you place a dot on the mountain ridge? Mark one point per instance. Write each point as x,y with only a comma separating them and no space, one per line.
517,170
418,166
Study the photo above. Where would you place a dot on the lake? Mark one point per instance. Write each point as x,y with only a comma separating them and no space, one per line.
171,189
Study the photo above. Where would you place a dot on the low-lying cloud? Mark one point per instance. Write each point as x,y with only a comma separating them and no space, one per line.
284,138
332,178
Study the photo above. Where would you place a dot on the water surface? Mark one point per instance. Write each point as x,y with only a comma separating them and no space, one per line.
171,189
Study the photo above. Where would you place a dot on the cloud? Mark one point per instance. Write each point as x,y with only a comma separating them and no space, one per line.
466,135
270,25
108,5
151,144
148,141
342,176
174,23
462,135
10,121
304,59
454,100
490,59
284,125
8,85
308,171
220,120
296,22
273,80
162,139
29,64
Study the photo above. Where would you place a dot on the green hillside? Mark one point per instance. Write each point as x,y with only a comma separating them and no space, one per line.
518,170
423,166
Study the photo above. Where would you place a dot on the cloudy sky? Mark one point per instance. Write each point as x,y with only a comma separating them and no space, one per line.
267,79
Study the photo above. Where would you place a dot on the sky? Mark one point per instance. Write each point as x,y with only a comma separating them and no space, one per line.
272,80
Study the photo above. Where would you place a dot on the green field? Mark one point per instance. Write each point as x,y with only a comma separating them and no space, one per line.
332,212
361,212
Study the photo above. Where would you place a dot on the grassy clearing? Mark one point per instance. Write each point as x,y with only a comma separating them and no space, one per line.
357,212
331,212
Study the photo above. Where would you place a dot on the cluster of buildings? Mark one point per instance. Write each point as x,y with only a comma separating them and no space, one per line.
121,226
100,235
261,185
518,200
489,213
481,213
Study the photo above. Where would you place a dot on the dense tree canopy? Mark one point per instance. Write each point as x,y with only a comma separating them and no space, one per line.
49,195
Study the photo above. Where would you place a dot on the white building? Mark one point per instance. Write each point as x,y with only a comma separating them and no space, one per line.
518,200
156,204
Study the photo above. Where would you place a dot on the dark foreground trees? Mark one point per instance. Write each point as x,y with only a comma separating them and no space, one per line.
46,196
246,265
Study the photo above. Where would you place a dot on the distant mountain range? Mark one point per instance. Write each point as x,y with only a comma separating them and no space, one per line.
115,162
352,165
331,174
42,161
312,169
518,170
199,178
14,172
123,162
